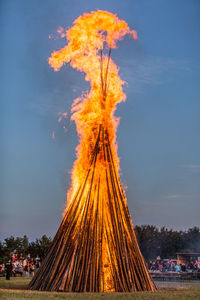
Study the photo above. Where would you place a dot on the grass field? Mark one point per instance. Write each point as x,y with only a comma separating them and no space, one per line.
16,289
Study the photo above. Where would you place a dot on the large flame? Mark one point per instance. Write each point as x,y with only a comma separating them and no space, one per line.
91,33
91,36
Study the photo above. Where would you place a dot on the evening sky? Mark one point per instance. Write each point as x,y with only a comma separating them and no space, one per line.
158,135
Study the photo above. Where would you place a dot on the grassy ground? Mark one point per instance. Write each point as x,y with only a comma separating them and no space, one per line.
16,289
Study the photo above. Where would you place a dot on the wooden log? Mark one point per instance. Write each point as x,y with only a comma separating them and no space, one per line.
97,225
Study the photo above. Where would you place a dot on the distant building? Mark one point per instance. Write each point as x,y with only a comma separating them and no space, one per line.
185,258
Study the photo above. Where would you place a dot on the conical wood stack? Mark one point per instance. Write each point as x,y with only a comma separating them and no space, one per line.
95,248
99,251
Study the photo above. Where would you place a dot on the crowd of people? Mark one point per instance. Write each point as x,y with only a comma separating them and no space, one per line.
27,266
173,266
19,265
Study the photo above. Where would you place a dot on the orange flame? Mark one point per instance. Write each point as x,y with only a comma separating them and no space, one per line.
89,34
61,116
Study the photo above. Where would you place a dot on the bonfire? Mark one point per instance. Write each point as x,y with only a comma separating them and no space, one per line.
95,248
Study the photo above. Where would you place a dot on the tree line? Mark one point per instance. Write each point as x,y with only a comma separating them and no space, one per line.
153,242
23,245
166,242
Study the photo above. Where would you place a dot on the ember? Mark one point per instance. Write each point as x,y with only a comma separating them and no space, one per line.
95,248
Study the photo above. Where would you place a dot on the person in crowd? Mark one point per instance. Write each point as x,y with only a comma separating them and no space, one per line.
28,257
2,270
26,267
150,265
21,258
197,265
156,265
37,260
160,266
17,268
8,269
37,263
177,268
191,266
169,266
173,266
32,268
183,268
165,267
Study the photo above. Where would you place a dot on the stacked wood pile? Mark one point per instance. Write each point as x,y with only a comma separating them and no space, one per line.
99,251
95,248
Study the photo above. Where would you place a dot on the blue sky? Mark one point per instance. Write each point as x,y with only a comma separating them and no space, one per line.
158,135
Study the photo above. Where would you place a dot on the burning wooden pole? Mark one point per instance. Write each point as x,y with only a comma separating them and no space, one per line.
75,261
95,248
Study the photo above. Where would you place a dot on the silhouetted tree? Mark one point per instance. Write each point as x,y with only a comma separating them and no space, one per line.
147,236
